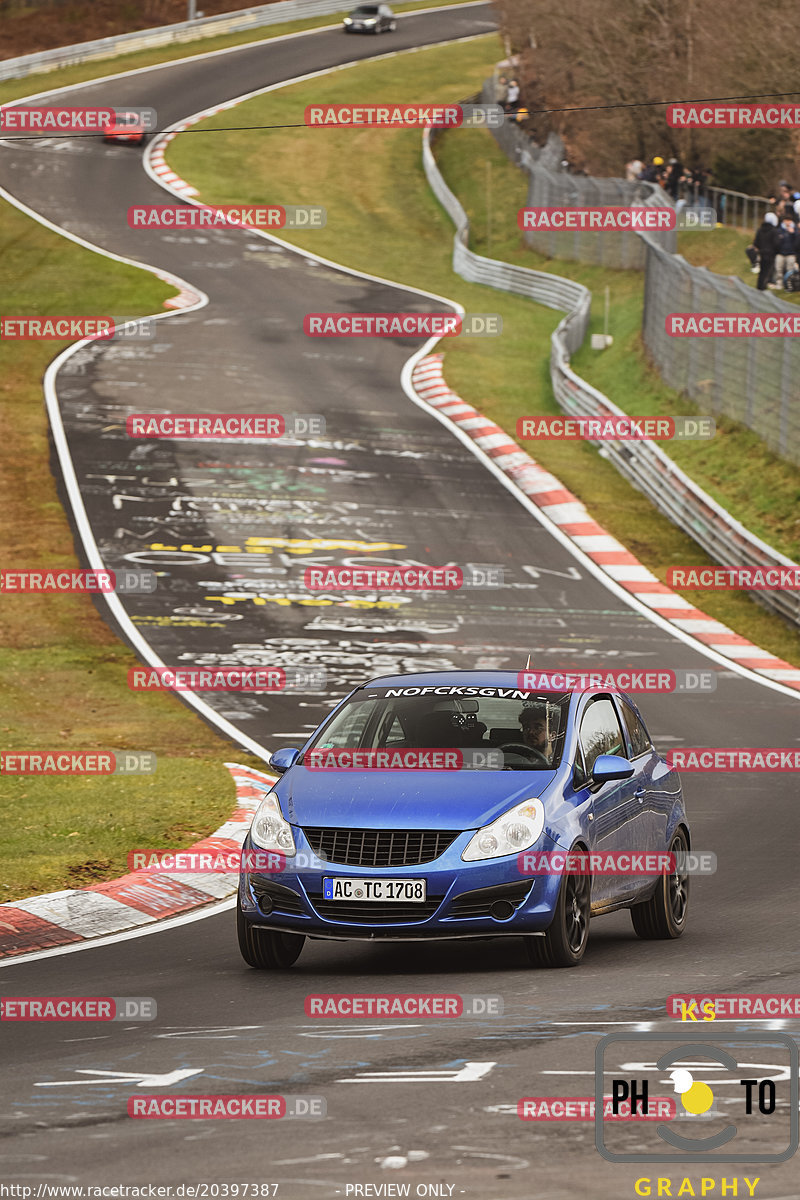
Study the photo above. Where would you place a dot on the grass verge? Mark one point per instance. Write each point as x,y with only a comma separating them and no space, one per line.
63,673
383,219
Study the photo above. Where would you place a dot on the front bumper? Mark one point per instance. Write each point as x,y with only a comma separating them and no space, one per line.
478,899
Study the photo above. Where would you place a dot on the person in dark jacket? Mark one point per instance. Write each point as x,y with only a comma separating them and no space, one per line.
673,177
766,243
786,257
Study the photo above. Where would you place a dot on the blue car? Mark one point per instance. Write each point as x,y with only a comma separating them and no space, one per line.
443,805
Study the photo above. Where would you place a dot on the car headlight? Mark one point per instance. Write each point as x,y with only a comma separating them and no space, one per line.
269,830
516,830
348,21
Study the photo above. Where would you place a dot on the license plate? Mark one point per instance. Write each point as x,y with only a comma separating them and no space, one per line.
409,891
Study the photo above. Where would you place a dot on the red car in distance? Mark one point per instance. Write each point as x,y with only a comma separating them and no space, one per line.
126,127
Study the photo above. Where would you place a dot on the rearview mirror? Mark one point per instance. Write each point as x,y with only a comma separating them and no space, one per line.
611,766
284,758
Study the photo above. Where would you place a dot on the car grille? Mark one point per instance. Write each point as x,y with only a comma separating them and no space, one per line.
377,912
284,900
379,847
479,902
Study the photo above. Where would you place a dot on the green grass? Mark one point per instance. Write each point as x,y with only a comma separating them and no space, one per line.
63,673
16,89
735,467
383,219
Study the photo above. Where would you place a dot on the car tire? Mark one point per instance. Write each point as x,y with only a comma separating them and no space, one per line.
664,914
564,943
393,27
267,949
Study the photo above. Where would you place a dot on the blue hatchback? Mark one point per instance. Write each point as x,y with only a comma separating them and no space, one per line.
444,806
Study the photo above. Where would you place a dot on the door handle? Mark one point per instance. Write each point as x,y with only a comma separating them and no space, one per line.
640,794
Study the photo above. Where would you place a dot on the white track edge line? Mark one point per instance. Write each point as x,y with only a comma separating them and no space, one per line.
406,382
156,925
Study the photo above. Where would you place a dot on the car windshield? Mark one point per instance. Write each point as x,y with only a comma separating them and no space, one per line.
527,728
366,10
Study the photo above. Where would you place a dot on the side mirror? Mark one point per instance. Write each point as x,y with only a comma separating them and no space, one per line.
611,766
284,758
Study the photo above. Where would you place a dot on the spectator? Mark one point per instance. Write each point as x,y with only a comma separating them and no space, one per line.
786,194
502,91
766,243
697,179
652,173
633,170
786,256
673,178
512,96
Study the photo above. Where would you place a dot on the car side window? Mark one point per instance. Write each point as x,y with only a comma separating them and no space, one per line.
639,737
600,732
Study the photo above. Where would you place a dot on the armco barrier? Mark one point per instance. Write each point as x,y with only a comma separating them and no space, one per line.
549,184
751,380
166,35
643,463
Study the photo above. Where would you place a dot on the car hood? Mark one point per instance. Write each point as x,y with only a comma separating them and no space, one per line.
404,799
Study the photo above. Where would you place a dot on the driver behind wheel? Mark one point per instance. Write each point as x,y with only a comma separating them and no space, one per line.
536,732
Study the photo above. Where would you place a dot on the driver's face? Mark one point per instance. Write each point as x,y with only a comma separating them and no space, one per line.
534,734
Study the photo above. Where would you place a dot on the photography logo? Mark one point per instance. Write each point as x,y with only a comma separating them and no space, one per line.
736,1097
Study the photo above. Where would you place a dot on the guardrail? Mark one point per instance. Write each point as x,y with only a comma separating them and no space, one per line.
643,463
735,209
750,380
165,35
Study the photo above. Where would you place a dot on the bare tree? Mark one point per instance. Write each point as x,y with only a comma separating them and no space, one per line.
598,72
